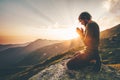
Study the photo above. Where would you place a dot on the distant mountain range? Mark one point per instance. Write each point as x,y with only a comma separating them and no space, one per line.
36,55
6,46
41,54
13,54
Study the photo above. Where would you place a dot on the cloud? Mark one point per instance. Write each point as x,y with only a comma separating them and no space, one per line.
113,6
112,15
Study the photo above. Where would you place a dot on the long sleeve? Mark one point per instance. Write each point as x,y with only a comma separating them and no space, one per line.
91,36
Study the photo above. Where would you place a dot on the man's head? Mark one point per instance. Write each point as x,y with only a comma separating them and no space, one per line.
84,18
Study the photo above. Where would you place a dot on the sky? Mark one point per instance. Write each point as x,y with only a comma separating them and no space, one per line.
27,20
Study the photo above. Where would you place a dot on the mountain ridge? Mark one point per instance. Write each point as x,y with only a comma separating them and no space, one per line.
7,46
114,31
13,55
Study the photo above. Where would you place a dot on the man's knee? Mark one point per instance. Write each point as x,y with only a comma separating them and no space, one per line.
70,64
75,63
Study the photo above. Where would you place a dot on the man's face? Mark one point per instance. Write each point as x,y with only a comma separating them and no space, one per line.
83,22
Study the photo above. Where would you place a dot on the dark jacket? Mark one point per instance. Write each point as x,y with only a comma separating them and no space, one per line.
91,36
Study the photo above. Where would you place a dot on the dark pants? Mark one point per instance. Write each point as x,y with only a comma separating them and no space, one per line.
83,60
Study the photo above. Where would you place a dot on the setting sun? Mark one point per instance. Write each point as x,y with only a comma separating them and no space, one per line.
61,34
70,34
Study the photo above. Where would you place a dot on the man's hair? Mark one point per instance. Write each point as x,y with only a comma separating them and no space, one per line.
85,16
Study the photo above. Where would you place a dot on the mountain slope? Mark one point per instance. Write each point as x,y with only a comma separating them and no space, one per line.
110,45
12,56
25,72
114,31
39,56
38,44
49,51
54,69
59,72
4,47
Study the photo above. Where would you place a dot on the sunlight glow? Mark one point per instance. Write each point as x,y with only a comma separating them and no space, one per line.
62,34
28,20
71,34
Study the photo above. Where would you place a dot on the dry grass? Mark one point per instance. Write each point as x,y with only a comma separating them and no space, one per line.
116,66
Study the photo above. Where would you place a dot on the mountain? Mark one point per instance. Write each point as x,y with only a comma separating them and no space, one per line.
13,55
39,56
112,32
54,69
6,46
38,44
49,51
111,37
110,45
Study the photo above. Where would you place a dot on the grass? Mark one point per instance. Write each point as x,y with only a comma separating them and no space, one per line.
116,66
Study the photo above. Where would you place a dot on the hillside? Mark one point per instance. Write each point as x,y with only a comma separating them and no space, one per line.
49,51
39,43
36,57
6,46
59,72
53,69
110,45
25,72
114,31
11,56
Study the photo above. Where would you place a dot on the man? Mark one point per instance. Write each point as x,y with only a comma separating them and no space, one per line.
90,38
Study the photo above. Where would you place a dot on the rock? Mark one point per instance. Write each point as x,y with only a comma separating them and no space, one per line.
60,72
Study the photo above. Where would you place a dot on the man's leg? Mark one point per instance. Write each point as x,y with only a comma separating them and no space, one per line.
97,66
77,62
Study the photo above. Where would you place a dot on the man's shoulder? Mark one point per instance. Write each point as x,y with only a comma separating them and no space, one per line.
92,24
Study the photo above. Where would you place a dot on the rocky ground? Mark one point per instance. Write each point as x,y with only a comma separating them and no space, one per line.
60,72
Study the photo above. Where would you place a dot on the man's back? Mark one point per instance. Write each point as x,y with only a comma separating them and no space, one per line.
91,36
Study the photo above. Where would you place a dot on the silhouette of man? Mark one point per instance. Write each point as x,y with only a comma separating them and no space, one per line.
90,38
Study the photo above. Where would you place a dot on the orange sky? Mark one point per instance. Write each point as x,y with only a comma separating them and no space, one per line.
27,20
27,36
15,39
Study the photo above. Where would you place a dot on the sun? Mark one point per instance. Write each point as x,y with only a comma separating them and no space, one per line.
71,34
62,34
50,33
